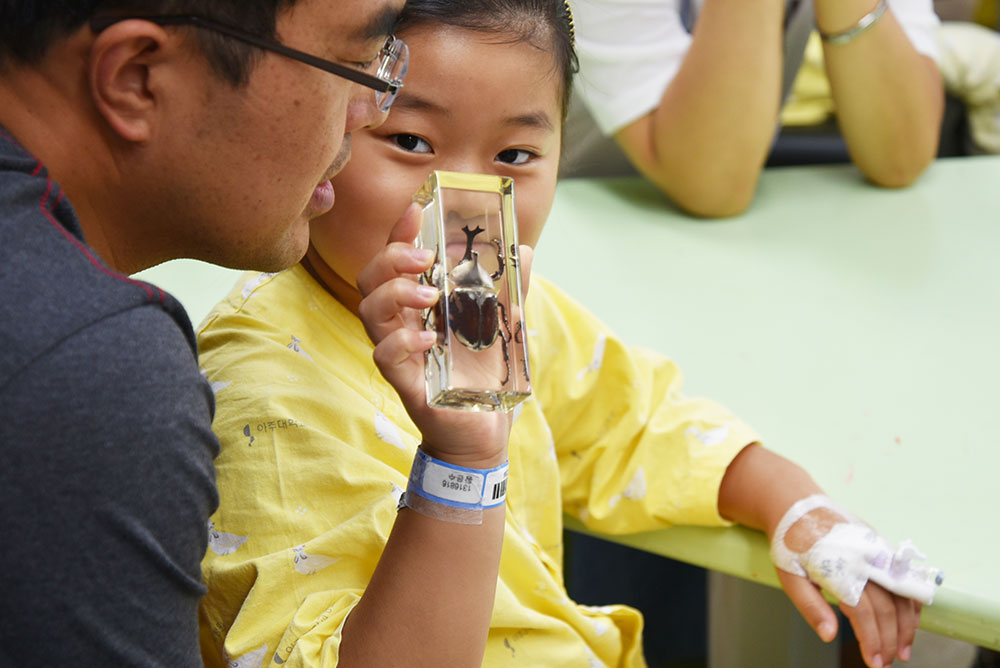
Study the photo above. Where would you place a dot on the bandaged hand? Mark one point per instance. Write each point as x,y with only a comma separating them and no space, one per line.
817,545
842,558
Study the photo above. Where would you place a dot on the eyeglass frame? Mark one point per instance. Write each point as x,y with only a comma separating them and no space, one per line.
389,88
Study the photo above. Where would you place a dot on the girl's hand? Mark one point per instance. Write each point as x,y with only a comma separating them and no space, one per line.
883,622
390,310
814,541
847,557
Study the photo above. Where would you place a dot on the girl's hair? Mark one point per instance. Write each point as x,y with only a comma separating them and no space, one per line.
545,24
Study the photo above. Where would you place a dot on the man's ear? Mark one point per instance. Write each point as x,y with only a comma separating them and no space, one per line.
124,76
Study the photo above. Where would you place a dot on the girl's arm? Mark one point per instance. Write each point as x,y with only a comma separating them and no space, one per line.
706,142
430,599
757,490
889,98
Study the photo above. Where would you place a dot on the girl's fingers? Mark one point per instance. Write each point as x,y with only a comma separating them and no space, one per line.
527,255
385,309
407,227
399,255
811,605
906,620
885,616
866,630
399,356
396,259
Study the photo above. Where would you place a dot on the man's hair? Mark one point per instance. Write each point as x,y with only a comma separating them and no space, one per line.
29,27
545,24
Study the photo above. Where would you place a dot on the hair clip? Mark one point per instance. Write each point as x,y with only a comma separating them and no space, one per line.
569,20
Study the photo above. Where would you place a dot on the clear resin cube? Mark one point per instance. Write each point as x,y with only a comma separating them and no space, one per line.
480,361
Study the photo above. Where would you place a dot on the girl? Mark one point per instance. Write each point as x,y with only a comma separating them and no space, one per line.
310,562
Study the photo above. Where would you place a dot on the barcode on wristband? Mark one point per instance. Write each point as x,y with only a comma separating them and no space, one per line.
496,488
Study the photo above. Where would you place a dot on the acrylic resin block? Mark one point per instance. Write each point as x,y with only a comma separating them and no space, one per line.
480,360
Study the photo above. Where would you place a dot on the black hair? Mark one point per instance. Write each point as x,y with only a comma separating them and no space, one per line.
545,24
29,27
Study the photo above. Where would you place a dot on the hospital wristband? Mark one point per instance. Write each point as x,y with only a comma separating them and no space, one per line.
453,493
863,24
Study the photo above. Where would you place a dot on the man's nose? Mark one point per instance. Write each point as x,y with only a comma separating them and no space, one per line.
363,112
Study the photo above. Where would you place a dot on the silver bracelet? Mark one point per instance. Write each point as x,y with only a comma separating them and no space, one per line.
866,22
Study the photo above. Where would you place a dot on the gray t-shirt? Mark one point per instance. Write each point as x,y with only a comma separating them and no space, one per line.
106,481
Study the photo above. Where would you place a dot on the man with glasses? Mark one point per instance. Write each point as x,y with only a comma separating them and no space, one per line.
131,133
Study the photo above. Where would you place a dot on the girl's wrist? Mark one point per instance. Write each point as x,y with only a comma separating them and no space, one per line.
454,493
472,460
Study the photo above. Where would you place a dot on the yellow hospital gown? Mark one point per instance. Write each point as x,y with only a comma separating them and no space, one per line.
316,449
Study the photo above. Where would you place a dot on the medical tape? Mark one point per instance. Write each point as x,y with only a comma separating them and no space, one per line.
451,492
850,554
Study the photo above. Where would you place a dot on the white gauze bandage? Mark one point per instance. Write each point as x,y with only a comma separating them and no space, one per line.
850,554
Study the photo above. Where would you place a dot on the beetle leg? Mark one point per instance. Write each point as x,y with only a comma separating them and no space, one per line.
425,279
500,262
518,333
428,278
519,338
506,338
506,358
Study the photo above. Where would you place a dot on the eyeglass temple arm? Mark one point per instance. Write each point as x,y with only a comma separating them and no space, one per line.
363,78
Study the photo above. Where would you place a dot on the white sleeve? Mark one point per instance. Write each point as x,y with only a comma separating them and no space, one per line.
920,24
629,52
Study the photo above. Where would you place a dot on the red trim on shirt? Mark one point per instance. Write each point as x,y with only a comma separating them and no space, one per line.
43,205
47,212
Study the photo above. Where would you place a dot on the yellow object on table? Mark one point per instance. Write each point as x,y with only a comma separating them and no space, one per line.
810,101
988,13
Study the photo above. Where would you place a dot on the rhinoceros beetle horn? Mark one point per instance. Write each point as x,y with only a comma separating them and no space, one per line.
473,307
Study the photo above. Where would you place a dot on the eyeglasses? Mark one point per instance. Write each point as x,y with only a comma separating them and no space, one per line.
393,59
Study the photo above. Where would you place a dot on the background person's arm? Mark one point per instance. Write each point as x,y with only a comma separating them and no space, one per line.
706,142
889,98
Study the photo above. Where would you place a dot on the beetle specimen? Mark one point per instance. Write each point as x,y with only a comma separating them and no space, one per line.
475,313
473,305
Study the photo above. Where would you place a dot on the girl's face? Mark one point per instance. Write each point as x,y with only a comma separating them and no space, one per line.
471,103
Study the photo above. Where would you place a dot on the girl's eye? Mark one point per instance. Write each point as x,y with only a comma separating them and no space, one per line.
515,156
412,143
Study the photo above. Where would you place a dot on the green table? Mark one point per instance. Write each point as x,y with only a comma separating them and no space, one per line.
856,328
